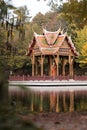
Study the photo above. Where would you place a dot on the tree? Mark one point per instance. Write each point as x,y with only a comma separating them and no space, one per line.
22,36
39,19
4,51
8,49
83,60
81,44
4,7
22,14
76,12
4,71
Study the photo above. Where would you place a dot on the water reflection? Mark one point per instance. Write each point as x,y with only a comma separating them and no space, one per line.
50,99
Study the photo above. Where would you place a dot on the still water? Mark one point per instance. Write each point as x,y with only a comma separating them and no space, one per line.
50,99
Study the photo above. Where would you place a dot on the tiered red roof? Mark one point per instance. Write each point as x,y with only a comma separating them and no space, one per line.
50,42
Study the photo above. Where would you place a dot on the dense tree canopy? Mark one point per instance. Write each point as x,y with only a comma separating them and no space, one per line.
81,44
74,11
12,46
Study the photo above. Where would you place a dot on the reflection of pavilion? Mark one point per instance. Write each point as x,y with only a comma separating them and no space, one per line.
51,99
52,47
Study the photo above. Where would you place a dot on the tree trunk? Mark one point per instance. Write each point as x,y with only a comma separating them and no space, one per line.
4,86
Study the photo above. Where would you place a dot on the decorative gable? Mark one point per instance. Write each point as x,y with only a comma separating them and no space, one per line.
51,36
65,45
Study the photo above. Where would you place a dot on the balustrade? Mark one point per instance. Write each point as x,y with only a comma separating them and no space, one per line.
27,78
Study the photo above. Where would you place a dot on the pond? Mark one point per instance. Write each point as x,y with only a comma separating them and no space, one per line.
50,99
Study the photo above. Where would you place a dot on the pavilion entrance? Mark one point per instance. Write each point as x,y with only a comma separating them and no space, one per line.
50,65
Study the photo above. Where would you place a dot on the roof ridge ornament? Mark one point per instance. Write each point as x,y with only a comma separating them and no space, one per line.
62,31
59,28
65,34
44,30
35,34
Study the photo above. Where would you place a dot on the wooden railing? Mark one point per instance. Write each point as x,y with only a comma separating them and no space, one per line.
27,78
80,77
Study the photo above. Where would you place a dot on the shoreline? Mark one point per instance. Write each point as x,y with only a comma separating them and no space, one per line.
63,85
61,121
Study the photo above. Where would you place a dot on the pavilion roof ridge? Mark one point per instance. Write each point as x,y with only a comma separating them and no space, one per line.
38,35
72,45
65,35
35,34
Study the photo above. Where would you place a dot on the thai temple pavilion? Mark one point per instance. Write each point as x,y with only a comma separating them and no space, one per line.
52,54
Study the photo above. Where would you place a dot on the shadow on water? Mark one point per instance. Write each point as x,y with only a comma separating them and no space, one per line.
50,99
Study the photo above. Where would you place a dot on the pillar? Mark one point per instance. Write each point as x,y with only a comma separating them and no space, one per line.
70,66
50,65
33,60
36,68
63,68
57,64
42,59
